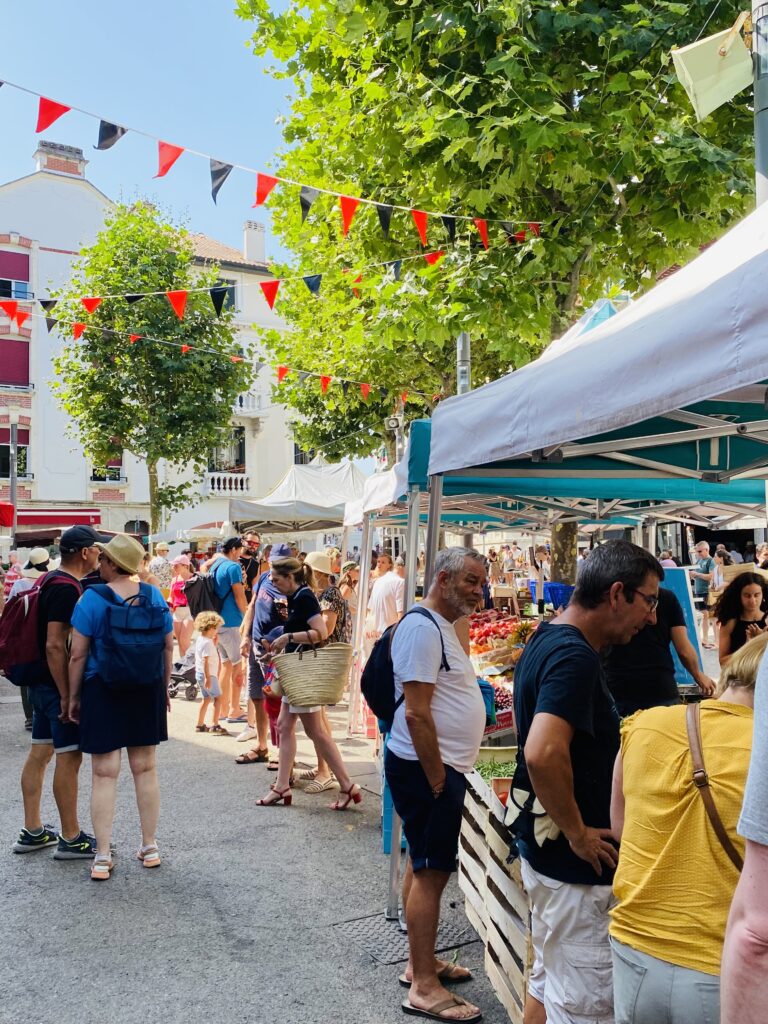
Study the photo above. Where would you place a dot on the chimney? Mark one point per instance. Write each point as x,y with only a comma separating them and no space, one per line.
58,159
254,243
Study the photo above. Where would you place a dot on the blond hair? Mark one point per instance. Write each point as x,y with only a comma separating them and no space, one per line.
208,620
741,670
300,571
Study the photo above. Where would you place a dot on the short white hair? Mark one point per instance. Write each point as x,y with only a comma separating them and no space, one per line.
451,560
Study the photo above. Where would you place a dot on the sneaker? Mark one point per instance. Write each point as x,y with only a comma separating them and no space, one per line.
82,847
247,734
27,841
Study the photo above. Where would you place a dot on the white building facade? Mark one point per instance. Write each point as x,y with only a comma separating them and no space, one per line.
46,218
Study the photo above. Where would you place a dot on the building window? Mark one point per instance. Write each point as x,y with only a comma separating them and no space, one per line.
14,362
10,289
230,285
22,462
113,471
302,458
14,275
229,457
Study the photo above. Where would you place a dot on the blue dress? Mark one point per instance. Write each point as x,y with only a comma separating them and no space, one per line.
112,719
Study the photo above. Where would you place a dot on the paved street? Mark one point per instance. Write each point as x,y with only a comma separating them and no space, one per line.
238,924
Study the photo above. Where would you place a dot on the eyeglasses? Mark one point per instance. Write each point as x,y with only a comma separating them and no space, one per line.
652,600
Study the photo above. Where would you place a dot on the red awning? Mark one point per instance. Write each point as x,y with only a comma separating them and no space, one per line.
59,516
6,514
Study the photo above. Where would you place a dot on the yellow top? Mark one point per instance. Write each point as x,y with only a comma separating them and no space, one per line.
674,881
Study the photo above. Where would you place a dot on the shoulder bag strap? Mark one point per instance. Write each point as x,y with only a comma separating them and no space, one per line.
701,781
423,611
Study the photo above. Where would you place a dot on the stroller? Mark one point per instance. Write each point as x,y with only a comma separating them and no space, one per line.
183,676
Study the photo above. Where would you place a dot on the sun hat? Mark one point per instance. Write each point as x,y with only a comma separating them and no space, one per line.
124,551
349,566
37,564
280,551
320,561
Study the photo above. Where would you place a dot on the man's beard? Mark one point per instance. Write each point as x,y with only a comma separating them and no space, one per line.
460,605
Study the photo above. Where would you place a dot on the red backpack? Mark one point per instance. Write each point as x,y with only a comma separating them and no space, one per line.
20,628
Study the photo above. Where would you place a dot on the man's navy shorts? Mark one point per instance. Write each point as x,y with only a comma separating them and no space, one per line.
46,727
431,825
256,682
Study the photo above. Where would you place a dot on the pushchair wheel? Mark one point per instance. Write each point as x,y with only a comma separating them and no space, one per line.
173,689
191,691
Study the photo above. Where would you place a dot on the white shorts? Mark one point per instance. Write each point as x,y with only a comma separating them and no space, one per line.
572,972
182,613
297,709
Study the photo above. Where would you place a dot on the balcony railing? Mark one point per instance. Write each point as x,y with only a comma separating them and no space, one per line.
227,485
249,403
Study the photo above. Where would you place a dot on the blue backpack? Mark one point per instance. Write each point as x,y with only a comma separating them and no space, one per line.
131,653
377,682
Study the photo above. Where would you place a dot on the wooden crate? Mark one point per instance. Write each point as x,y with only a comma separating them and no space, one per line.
473,858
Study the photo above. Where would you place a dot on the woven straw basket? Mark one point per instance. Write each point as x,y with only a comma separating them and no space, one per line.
316,676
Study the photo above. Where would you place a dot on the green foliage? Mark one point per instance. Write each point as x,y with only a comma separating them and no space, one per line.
147,398
494,108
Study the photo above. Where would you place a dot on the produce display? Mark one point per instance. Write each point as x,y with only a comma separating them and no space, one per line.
496,642
495,769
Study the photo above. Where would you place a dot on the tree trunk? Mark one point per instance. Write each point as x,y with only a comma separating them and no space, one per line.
154,509
564,540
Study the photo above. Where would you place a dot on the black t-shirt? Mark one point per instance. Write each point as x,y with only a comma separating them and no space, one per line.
560,674
56,604
302,606
250,565
641,674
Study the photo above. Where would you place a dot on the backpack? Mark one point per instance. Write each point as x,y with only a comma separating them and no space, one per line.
201,595
377,681
131,653
20,630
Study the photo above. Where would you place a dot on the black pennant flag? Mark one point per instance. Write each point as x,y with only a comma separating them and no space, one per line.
302,375
219,174
133,298
257,367
397,266
509,230
383,393
218,295
307,196
48,304
107,334
345,386
50,323
449,223
385,217
313,283
109,134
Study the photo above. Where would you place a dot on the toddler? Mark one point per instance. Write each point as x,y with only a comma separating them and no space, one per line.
207,625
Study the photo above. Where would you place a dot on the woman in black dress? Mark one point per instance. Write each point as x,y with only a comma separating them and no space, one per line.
741,612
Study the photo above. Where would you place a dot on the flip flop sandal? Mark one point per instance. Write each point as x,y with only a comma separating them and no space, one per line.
447,975
149,856
316,786
436,1011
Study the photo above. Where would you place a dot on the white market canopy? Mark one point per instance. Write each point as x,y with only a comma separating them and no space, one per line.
307,498
674,385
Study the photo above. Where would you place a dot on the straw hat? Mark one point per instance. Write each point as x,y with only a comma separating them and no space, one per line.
161,547
124,551
320,562
37,564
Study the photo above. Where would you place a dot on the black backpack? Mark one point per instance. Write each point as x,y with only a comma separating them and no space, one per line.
377,682
200,592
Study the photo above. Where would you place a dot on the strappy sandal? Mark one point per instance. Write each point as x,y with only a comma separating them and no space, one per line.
149,855
201,728
280,796
250,757
320,786
219,730
101,868
352,795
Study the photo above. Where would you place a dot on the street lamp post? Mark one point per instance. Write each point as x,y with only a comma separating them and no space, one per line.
13,422
760,71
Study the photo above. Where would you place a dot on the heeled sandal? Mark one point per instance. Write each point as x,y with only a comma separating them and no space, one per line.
281,796
353,795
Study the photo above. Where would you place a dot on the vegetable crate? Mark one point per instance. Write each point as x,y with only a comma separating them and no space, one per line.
505,916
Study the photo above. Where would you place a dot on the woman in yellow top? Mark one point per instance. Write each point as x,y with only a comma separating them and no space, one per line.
674,882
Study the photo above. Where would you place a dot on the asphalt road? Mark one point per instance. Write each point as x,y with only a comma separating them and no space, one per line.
238,926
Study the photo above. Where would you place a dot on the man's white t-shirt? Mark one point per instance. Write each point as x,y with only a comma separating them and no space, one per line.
458,709
387,601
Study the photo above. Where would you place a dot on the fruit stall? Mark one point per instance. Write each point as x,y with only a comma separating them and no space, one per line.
496,641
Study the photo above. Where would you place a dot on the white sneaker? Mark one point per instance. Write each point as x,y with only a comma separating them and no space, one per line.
247,734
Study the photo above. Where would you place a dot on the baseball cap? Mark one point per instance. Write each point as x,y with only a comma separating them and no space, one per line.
78,537
280,551
181,560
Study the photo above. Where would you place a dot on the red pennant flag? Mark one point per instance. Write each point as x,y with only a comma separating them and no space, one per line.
91,304
482,227
167,155
10,309
420,220
433,257
365,390
185,349
324,382
357,280
49,111
348,206
534,228
282,373
21,316
178,301
77,330
270,291
134,338
236,359
404,397
264,185
520,236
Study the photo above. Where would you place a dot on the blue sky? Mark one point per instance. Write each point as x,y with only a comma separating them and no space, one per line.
174,68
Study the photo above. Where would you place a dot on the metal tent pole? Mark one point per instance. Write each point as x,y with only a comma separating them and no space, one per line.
433,527
355,725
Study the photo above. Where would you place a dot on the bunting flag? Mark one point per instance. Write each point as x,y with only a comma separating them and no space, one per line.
348,206
482,228
178,301
48,111
356,291
133,298
167,155
264,185
109,134
345,387
302,375
219,174
236,359
218,295
397,266
520,236
420,220
91,304
77,330
449,223
50,323
48,304
313,283
383,393
21,316
257,368
270,291
10,308
433,257
403,397
535,228
282,373
134,338
365,390
385,217
324,383
106,334
185,349
307,196
509,230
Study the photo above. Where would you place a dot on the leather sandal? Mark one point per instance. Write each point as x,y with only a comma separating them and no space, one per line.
347,796
278,796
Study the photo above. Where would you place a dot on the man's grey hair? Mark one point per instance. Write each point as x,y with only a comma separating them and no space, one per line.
702,544
451,560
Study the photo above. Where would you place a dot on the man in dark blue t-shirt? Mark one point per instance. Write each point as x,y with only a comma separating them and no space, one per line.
568,735
267,610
